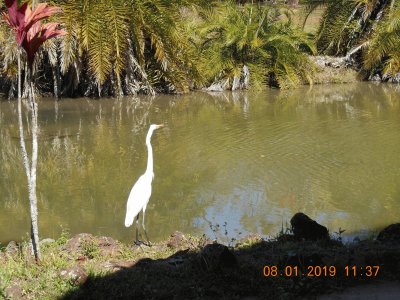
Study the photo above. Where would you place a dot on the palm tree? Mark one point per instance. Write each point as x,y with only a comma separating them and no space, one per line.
119,46
258,38
382,52
365,29
128,45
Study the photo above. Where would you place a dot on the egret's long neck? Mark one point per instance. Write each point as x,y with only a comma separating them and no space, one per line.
149,169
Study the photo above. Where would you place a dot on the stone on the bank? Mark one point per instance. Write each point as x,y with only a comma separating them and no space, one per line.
305,228
217,256
395,78
177,240
75,275
105,245
12,248
376,77
390,233
75,242
14,292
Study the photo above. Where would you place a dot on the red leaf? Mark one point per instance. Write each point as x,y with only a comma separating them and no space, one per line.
29,32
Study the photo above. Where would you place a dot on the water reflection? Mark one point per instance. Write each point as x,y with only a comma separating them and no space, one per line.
248,159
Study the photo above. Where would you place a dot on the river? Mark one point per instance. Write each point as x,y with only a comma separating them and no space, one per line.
225,164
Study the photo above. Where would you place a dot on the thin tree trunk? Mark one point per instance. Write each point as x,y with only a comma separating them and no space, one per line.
25,91
56,81
19,73
30,170
32,181
21,124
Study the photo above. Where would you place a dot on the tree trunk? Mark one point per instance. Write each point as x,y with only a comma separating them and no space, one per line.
56,81
21,124
19,73
32,179
30,169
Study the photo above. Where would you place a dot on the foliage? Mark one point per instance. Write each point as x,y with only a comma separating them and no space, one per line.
369,26
384,44
120,38
261,37
116,46
130,46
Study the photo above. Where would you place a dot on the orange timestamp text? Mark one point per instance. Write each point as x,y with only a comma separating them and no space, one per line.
321,271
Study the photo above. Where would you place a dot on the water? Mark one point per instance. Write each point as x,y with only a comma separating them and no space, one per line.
245,161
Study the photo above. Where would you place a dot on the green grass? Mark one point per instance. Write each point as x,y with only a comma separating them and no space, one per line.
145,272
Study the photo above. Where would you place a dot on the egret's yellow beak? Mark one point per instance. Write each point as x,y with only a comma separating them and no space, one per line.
160,126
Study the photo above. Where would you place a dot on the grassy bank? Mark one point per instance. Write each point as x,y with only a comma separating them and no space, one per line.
186,267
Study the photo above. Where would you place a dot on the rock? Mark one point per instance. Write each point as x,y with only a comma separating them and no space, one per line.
217,256
390,234
395,78
305,228
219,86
74,244
376,77
98,245
75,275
12,248
386,77
227,259
14,292
329,61
107,245
177,240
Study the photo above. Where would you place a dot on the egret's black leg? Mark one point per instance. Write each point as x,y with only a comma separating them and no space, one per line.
144,229
137,230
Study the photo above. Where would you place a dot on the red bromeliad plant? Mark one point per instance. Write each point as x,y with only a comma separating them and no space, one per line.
30,34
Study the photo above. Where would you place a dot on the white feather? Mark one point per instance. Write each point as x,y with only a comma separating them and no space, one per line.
138,198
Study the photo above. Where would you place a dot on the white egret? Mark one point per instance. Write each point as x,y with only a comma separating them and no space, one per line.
141,191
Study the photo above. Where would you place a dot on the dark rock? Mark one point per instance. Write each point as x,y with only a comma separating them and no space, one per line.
217,256
305,228
14,292
75,275
390,234
227,259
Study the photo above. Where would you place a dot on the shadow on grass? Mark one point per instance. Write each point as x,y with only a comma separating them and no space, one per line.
213,271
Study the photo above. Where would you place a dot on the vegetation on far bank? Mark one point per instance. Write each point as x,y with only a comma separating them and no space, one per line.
148,46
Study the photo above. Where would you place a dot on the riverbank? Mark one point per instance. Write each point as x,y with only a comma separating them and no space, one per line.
187,267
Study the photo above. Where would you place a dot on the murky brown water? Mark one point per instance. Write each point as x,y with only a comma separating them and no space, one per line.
250,160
